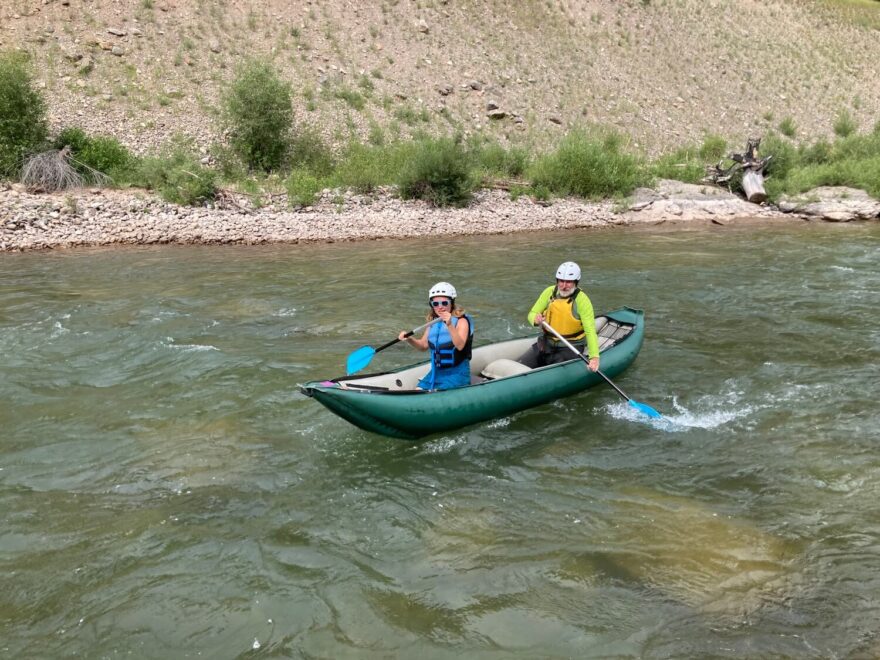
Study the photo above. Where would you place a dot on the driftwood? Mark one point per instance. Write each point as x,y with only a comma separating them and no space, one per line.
504,184
750,165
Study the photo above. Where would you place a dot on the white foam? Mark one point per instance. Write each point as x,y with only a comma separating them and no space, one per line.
683,419
169,343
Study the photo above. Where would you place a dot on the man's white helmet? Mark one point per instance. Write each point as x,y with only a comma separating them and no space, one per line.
568,271
442,289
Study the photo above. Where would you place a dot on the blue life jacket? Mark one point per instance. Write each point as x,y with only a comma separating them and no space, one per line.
444,354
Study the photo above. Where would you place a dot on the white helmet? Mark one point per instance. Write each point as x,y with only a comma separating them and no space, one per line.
442,289
568,271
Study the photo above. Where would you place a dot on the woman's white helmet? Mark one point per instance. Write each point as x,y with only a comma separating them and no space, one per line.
568,271
442,289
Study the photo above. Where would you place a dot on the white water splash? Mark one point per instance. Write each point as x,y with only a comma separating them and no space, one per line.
683,419
444,445
499,423
169,343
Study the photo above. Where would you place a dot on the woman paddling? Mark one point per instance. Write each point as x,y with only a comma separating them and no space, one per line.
449,340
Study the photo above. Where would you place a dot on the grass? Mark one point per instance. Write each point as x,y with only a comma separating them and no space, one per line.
592,166
852,160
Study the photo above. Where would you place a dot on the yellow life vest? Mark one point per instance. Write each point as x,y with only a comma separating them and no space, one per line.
562,316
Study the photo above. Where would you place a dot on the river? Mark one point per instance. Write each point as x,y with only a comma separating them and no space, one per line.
167,491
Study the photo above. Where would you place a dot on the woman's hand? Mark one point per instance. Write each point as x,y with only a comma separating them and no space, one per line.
402,335
445,315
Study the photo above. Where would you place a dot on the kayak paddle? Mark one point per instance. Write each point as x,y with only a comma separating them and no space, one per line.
360,358
641,407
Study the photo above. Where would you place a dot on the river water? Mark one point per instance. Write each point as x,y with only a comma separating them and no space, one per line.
166,491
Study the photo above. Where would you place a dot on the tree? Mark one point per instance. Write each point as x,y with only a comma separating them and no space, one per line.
258,114
23,126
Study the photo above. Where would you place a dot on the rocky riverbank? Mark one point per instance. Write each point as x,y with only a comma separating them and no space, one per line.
94,217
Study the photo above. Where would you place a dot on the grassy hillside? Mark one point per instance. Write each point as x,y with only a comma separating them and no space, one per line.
665,72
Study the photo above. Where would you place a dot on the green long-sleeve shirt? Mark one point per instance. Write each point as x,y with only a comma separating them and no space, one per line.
585,312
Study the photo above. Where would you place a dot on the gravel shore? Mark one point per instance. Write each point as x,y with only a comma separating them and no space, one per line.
92,217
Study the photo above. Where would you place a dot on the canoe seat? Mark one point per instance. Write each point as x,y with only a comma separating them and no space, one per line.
502,368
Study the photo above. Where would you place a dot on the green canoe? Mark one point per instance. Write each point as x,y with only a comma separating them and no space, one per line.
502,382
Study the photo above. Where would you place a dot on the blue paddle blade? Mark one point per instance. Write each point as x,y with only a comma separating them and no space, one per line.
645,408
359,359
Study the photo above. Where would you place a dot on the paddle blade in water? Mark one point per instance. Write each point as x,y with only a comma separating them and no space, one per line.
645,408
359,359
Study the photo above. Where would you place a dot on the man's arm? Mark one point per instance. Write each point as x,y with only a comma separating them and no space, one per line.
540,305
585,311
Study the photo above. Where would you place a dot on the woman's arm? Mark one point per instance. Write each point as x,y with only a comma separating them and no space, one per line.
460,332
421,343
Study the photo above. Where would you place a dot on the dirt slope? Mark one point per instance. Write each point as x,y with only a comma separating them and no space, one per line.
666,72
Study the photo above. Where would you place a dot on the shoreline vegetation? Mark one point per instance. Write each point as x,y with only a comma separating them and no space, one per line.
270,183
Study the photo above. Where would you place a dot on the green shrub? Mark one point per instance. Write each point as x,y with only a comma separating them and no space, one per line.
844,124
496,160
303,187
681,165
366,167
351,96
177,175
785,155
853,161
713,148
72,137
258,113
439,173
308,150
104,154
23,125
787,127
817,153
589,167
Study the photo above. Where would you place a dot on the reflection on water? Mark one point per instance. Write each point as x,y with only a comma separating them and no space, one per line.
168,492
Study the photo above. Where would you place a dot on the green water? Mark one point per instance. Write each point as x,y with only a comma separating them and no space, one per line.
166,491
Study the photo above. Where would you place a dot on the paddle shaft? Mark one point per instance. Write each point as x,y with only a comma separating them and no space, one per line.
408,334
583,357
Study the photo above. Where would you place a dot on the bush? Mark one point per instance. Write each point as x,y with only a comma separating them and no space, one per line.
713,148
681,165
178,176
104,154
258,114
496,160
439,173
850,161
303,187
589,167
366,167
817,153
23,126
787,127
308,150
785,156
844,124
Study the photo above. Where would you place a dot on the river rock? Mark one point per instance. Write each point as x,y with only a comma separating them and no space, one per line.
834,204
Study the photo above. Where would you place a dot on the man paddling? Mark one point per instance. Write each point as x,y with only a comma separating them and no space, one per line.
569,311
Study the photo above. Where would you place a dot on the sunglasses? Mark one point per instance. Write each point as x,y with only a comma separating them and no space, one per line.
439,303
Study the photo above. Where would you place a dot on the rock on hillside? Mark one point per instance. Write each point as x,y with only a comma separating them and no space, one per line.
666,73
